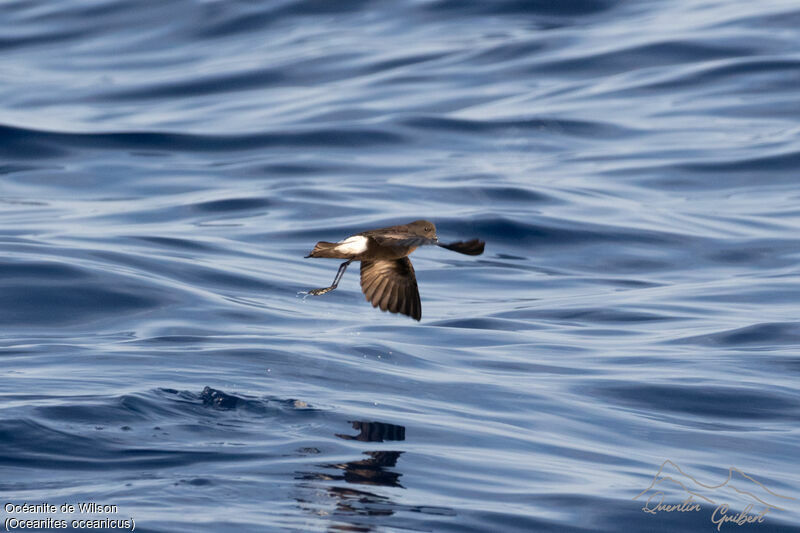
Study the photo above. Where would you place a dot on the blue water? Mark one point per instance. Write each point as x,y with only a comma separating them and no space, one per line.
632,166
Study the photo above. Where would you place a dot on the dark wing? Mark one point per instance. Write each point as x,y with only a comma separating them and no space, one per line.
392,286
473,247
402,239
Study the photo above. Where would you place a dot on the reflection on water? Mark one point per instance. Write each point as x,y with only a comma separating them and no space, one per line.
375,432
378,469
370,471
338,492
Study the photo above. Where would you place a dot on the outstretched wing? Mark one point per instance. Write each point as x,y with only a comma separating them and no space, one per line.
392,286
402,239
473,247
409,240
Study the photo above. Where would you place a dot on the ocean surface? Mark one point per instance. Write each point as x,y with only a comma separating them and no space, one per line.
633,166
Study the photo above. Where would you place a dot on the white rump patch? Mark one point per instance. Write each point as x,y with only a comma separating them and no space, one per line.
353,245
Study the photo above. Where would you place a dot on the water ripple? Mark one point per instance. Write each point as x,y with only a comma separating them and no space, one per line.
630,165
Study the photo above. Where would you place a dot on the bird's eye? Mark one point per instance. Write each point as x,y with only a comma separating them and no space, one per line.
428,228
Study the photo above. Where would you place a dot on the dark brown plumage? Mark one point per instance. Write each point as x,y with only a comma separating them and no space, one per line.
391,285
387,276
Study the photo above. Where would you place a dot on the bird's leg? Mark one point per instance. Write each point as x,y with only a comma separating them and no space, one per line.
339,274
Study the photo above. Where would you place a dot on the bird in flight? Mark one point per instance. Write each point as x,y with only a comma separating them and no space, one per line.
387,277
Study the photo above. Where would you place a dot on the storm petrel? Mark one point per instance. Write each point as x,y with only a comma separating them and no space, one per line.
387,277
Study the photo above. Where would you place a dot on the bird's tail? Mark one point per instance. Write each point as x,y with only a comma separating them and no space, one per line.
327,249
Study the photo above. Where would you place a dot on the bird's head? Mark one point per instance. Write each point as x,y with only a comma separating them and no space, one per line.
423,228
